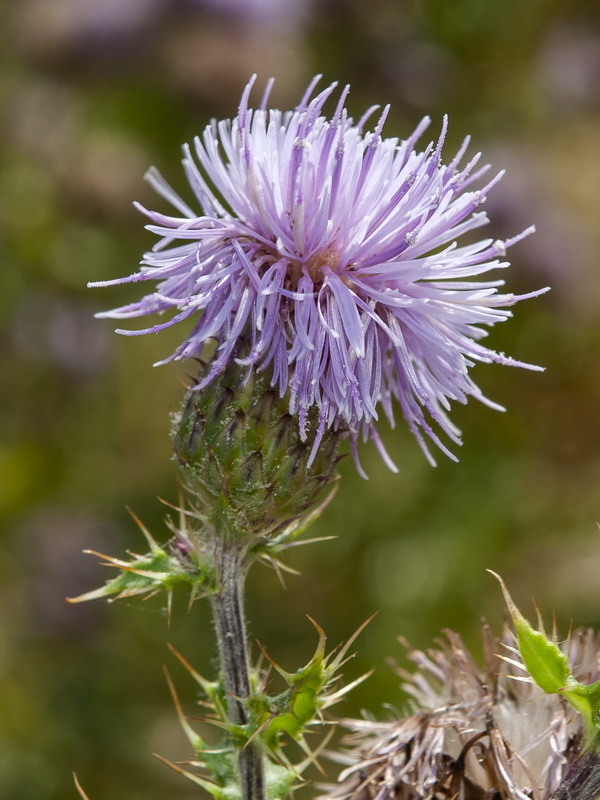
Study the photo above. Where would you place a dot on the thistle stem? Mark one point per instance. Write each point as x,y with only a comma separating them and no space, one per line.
230,627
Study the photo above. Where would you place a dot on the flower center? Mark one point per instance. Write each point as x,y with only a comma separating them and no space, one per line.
316,267
318,263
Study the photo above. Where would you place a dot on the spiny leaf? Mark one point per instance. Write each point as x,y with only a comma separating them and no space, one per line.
307,695
143,574
549,667
544,660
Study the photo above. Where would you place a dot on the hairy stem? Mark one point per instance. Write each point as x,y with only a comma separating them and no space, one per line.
230,627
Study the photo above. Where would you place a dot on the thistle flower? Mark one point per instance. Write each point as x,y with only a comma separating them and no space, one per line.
475,734
334,251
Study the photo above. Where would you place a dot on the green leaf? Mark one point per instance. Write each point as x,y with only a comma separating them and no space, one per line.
544,660
159,569
550,668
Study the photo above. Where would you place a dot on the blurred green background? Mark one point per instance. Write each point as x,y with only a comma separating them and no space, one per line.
94,91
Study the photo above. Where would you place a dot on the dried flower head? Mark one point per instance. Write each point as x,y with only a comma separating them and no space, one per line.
473,734
334,251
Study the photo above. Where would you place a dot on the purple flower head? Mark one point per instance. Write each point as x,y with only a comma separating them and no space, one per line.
333,251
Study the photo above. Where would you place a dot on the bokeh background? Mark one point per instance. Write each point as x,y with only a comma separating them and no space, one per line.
91,93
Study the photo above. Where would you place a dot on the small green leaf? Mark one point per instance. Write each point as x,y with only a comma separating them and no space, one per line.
544,660
162,568
143,575
550,669
309,692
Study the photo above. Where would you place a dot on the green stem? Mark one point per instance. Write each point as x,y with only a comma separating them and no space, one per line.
230,627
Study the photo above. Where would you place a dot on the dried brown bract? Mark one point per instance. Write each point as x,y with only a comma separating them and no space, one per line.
473,734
